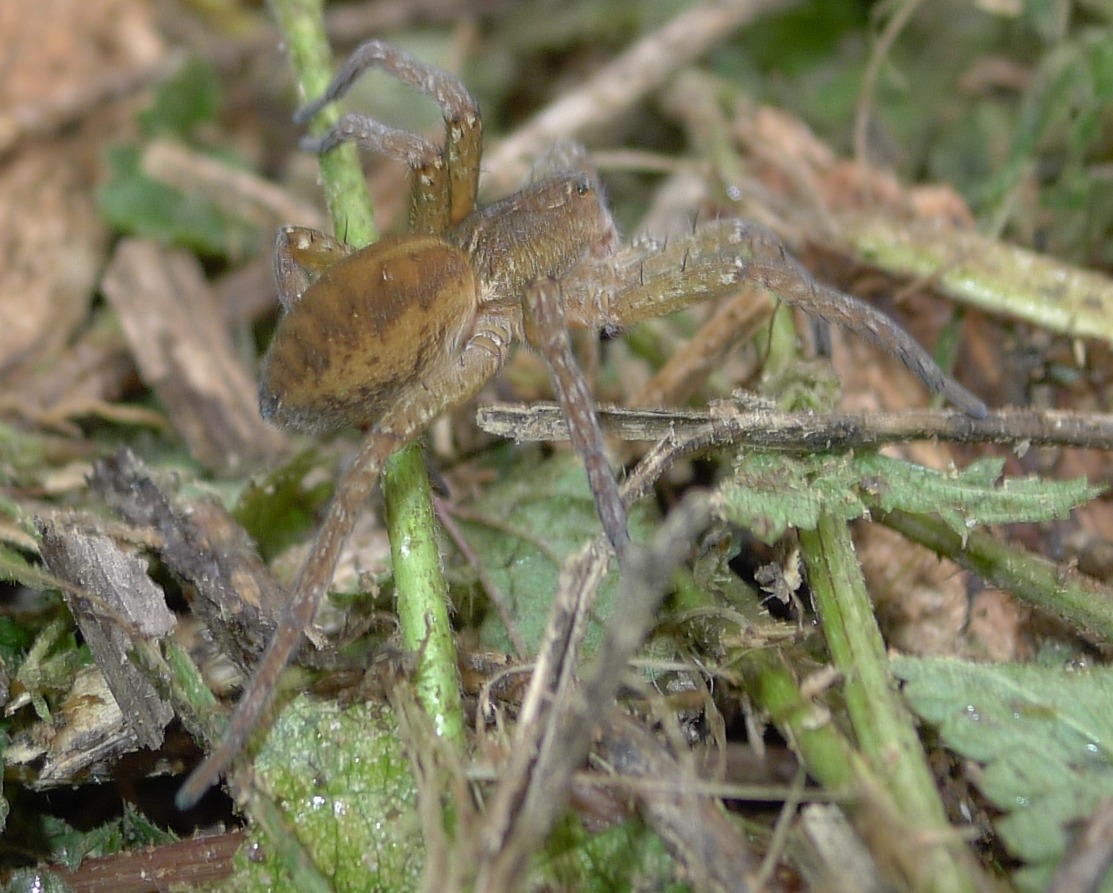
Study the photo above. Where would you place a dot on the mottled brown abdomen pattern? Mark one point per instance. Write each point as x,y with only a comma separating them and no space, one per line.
328,367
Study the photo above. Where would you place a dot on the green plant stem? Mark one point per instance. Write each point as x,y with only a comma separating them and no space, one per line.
417,564
417,568
1082,601
829,758
302,25
1004,279
842,771
782,354
882,724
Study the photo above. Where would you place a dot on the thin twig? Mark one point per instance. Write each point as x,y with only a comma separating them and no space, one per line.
809,432
618,86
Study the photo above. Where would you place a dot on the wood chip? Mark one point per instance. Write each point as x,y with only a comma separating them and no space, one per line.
126,605
174,328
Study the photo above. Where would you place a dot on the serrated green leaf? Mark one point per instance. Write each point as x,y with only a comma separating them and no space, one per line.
1044,735
971,497
540,513
70,846
770,492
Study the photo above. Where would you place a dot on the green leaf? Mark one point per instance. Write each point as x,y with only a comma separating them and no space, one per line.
1060,127
133,202
539,512
15,639
1044,736
189,98
771,492
48,668
70,847
971,497
279,509
621,857
343,780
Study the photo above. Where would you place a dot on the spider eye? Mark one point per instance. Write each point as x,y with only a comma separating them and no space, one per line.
583,187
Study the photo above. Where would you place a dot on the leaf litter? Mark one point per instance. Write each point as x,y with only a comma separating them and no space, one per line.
1056,715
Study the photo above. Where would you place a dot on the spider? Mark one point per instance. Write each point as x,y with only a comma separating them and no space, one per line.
391,336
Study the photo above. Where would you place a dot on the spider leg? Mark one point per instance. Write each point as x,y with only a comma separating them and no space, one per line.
352,490
450,384
655,280
795,286
463,126
430,210
543,310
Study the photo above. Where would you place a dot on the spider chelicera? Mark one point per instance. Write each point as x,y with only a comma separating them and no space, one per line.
391,336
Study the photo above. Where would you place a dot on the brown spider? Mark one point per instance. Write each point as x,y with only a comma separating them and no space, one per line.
444,304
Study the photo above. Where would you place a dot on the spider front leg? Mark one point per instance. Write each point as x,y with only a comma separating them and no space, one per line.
543,311
445,183
650,280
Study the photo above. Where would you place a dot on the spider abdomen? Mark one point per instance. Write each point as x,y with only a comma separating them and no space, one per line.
371,324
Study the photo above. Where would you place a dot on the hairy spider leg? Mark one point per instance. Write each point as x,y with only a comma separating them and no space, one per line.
449,384
463,125
543,310
650,279
430,210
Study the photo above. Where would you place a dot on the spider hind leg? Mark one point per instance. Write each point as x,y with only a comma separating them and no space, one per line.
656,279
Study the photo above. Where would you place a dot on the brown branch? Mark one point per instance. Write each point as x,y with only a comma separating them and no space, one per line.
191,863
808,432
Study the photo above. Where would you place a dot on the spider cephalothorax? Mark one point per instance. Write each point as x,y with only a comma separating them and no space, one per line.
390,336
